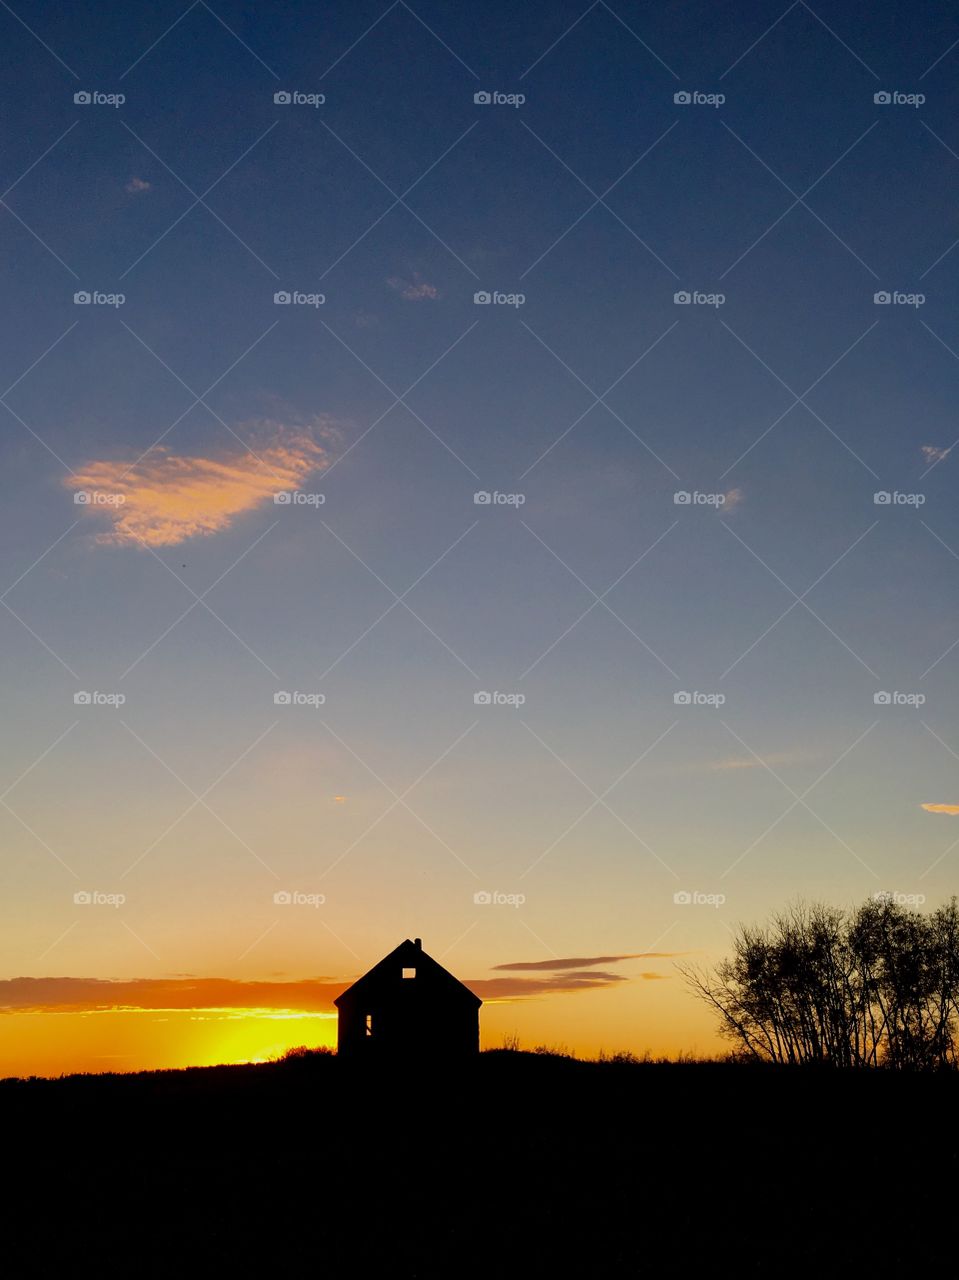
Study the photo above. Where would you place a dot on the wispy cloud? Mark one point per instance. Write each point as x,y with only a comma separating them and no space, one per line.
734,498
137,185
751,762
585,962
941,808
552,984
164,498
932,453
415,290
63,995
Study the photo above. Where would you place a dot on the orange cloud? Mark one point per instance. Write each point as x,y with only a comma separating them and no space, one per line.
941,808
163,499
733,497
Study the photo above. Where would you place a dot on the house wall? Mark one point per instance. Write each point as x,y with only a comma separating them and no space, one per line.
409,1027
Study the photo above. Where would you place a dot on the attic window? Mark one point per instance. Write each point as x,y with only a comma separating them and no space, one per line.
409,973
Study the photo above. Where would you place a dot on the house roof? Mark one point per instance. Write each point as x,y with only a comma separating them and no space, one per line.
408,954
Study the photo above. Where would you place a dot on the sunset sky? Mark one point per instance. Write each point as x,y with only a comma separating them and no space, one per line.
249,594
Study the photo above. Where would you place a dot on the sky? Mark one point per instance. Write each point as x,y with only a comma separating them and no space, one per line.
475,474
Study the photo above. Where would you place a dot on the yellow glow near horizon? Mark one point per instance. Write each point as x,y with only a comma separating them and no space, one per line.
154,1039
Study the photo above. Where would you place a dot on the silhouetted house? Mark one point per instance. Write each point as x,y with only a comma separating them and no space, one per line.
408,1006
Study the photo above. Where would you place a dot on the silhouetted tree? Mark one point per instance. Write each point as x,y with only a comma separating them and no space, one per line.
877,986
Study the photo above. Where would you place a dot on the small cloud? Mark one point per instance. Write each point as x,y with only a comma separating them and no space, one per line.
932,453
941,808
136,185
415,290
733,498
340,799
163,499
652,977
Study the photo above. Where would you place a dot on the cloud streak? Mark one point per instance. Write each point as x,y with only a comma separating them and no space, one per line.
941,808
581,962
197,994
163,498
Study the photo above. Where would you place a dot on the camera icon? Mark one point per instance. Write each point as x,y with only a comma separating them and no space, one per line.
482,498
682,498
483,98
682,898
882,699
482,298
283,498
882,98
82,898
282,898
882,498
82,699
682,698
282,699
282,298
683,98
282,98
482,699
882,298
82,98
683,298
82,298
482,897
81,498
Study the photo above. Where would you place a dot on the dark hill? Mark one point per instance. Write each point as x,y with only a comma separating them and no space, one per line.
518,1165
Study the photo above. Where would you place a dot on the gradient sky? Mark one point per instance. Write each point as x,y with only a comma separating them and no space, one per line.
187,589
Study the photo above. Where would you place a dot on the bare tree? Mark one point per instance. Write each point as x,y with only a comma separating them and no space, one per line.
878,986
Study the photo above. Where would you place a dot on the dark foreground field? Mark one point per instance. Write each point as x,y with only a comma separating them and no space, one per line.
521,1165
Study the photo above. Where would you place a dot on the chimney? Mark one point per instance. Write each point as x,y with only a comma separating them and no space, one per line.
418,943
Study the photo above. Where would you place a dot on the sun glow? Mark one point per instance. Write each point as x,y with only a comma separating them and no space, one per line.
123,1039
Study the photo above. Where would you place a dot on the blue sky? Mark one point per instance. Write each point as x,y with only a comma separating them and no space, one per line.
600,197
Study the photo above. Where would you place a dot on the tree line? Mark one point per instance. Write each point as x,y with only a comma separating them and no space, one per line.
876,986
